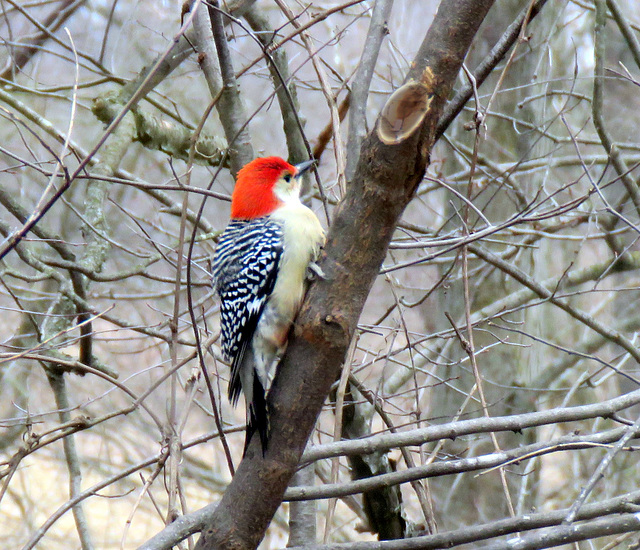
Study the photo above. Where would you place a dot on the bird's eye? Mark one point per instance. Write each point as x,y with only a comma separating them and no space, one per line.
287,178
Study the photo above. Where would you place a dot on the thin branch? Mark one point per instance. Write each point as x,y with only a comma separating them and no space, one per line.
489,462
626,30
514,423
362,81
598,474
58,385
490,62
574,312
598,106
22,53
230,107
284,85
17,235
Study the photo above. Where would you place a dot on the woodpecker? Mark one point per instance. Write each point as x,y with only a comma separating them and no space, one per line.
260,272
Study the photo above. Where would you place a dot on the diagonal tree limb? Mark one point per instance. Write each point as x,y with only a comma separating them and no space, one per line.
482,71
384,183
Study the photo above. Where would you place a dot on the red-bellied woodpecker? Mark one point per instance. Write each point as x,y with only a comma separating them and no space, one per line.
260,271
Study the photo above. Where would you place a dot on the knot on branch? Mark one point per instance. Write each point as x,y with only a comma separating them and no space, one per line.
406,109
325,330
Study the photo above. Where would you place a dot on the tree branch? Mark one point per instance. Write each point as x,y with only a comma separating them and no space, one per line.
383,185
362,81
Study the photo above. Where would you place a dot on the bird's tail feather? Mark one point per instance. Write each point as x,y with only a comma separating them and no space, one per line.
257,416
256,401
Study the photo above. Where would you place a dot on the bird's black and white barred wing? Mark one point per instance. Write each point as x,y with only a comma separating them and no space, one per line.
245,267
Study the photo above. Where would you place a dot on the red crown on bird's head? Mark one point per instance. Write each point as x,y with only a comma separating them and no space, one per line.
253,195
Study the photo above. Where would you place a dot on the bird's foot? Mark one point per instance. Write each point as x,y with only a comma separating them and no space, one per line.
314,271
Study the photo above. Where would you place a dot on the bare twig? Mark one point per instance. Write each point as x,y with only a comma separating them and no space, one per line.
230,107
362,82
598,103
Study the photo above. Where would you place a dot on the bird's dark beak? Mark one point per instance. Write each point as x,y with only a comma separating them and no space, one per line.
303,167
